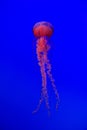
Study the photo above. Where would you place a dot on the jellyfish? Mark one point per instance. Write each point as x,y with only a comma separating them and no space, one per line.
43,31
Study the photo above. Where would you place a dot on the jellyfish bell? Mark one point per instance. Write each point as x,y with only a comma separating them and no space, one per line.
43,29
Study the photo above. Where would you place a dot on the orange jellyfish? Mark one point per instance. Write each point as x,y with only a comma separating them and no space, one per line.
43,31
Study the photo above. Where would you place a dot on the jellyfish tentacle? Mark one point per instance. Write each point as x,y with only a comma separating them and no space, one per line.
38,106
48,67
39,57
42,47
41,62
44,84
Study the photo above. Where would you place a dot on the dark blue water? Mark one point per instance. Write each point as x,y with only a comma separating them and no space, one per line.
20,78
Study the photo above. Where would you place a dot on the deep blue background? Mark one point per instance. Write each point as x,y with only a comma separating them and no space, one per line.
20,79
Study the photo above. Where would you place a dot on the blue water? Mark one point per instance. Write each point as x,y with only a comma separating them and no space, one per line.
20,78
